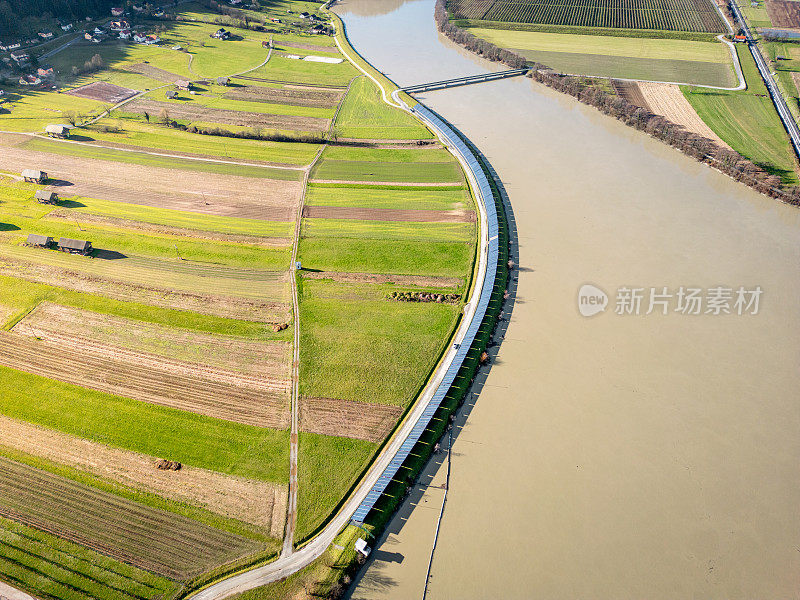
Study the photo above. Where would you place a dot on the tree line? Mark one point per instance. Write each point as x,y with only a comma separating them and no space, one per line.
698,147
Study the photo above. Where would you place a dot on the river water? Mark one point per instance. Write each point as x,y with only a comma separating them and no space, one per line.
617,456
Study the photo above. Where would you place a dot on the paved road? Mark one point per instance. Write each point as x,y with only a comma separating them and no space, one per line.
777,97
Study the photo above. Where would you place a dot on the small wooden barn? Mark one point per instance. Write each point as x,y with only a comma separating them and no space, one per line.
34,176
58,131
46,197
183,84
223,80
39,241
171,95
75,246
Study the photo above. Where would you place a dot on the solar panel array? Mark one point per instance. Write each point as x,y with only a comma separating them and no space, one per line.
483,302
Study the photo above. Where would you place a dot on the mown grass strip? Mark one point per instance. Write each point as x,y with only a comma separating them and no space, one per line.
388,230
426,172
322,194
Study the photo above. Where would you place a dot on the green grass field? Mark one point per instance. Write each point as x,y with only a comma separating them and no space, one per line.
51,567
702,63
747,121
192,439
373,350
365,115
389,230
322,194
301,71
400,172
350,255
328,467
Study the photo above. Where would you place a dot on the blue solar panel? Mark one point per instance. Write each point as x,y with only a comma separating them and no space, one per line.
483,302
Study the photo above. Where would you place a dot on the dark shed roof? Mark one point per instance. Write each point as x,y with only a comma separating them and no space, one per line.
34,239
74,244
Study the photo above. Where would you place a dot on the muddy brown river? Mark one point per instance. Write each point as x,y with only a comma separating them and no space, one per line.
619,455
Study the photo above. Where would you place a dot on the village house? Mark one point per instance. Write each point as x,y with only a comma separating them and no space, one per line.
221,34
75,246
125,34
119,25
66,26
39,241
152,39
21,58
117,12
34,176
137,8
139,38
46,35
235,2
14,46
57,131
46,72
99,31
46,197
159,13
30,80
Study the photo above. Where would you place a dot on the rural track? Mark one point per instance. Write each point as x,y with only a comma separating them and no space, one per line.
289,563
294,432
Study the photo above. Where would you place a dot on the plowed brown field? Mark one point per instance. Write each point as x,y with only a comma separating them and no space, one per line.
206,193
153,72
668,100
408,280
103,91
783,13
141,378
152,539
315,98
360,420
228,117
258,502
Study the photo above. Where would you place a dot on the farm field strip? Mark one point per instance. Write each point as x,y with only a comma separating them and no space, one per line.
408,281
345,418
264,360
64,570
145,383
671,15
381,171
389,230
149,538
388,214
219,306
227,116
289,96
172,275
261,503
398,198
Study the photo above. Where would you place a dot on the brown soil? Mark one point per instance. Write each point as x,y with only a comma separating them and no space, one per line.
83,217
5,313
388,214
360,420
103,91
405,280
147,378
227,117
221,306
796,80
153,72
311,47
783,13
229,359
257,502
314,98
668,100
207,193
389,144
631,92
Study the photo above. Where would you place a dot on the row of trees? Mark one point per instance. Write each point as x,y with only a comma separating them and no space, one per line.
701,148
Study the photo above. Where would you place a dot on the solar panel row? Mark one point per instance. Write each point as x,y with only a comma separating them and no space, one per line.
435,401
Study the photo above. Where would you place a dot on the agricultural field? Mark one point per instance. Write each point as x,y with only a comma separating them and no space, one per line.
670,15
681,61
746,120
145,387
